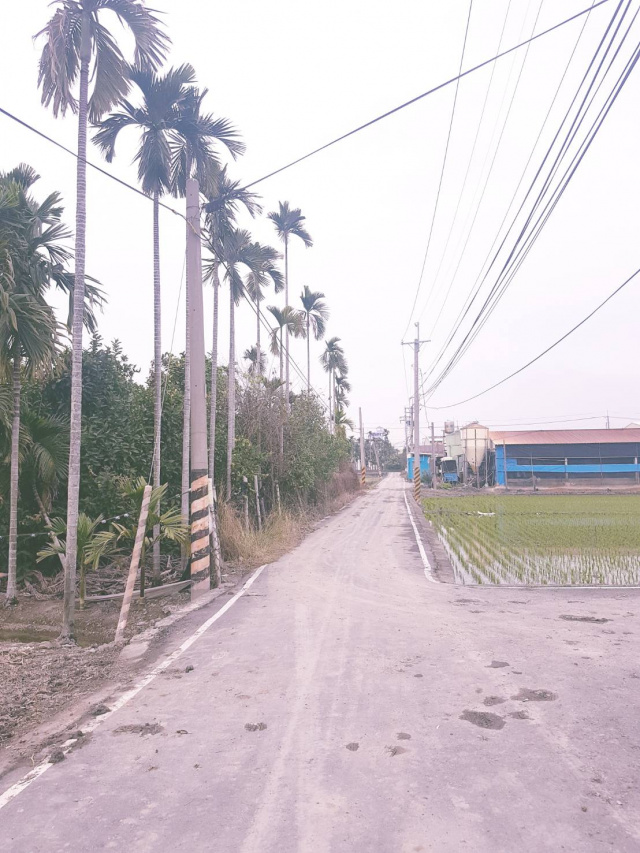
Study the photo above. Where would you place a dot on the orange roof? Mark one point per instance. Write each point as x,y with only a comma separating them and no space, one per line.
567,436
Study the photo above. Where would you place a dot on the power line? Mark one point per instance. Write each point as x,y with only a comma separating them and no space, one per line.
462,312
88,162
490,172
480,281
423,95
442,170
547,350
527,236
473,151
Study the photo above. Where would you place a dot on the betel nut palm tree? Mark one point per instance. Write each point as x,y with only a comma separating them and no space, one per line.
79,53
33,241
240,256
156,120
257,361
316,314
259,278
289,222
288,320
225,199
333,361
196,157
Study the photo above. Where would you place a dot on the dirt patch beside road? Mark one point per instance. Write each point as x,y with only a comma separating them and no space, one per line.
40,678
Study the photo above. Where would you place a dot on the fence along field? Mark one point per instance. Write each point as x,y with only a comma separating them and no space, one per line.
546,539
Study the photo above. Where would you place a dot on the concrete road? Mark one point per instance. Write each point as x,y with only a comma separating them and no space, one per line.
335,707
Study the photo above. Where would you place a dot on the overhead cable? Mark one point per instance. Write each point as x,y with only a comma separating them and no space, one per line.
545,351
424,95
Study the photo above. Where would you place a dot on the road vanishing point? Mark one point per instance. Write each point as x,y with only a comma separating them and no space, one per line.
345,703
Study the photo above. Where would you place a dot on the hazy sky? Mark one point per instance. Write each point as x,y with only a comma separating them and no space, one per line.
292,75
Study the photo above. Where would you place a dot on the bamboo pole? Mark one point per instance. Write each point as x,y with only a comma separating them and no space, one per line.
135,562
257,488
215,539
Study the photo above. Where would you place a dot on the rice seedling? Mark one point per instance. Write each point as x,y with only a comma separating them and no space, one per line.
540,539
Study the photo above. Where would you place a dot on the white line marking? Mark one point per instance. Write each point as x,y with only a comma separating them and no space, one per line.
12,792
428,572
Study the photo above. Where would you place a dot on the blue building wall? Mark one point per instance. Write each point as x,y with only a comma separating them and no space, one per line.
517,462
425,465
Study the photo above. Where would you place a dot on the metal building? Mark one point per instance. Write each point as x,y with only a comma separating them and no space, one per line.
587,457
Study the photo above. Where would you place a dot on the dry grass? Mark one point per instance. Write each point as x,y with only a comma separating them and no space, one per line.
280,533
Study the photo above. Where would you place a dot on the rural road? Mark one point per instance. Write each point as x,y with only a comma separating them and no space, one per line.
355,673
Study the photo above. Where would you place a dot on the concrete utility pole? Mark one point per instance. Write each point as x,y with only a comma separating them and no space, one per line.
200,538
417,485
363,465
433,457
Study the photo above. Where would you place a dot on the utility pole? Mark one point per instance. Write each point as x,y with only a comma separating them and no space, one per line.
433,457
363,466
200,500
417,486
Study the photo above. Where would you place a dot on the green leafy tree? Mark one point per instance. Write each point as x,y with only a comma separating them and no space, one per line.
80,51
33,236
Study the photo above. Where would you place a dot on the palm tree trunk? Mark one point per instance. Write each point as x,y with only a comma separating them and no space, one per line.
12,585
157,374
308,355
286,302
231,422
75,431
281,430
258,367
185,481
214,373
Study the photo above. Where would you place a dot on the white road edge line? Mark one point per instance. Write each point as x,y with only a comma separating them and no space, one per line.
12,792
428,572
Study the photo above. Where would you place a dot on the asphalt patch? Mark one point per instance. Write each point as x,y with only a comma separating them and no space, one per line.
255,727
139,729
497,664
493,700
403,736
526,695
593,619
353,747
396,750
483,719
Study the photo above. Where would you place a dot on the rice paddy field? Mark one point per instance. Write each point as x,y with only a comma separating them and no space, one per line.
546,539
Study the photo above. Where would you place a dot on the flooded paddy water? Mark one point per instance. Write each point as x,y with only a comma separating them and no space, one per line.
540,539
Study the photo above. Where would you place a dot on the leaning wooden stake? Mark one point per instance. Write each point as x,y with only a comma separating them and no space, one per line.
257,488
135,562
278,496
215,539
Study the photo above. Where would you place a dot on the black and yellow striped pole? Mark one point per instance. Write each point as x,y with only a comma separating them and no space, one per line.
363,464
199,492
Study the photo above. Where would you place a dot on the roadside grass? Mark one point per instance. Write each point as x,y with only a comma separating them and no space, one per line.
248,548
